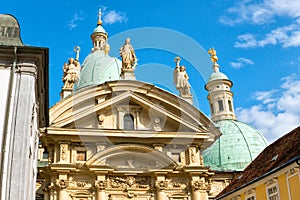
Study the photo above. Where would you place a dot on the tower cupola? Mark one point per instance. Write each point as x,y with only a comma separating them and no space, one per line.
220,96
99,36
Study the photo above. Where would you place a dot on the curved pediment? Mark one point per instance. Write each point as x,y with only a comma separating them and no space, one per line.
131,157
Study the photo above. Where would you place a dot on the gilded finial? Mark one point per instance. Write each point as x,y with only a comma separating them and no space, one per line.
213,54
77,50
99,17
177,60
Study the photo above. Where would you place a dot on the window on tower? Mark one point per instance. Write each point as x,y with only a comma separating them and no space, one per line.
230,105
212,108
221,106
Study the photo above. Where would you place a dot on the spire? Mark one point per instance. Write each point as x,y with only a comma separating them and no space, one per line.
99,36
99,17
220,97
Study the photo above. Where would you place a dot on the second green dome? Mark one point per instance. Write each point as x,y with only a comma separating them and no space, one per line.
238,146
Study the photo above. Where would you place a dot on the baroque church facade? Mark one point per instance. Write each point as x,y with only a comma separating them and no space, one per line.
114,137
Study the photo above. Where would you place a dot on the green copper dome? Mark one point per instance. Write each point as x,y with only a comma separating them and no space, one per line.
98,68
99,29
238,145
217,76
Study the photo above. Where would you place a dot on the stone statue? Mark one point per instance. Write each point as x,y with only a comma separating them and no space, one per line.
213,53
181,79
71,70
71,73
128,55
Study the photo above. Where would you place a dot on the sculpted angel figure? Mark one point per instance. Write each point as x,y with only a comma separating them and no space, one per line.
128,55
181,79
71,73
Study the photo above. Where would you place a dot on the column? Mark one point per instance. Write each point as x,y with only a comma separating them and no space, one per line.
100,186
199,189
62,192
160,190
46,189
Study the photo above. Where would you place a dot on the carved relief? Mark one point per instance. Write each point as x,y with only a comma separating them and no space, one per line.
199,185
129,182
100,146
100,185
176,182
81,184
193,155
84,182
161,184
101,118
62,184
157,124
64,152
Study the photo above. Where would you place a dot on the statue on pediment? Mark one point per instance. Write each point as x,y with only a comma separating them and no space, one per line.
71,70
128,55
181,79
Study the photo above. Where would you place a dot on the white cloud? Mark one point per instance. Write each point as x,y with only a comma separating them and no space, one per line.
114,17
277,111
266,12
286,36
260,13
241,62
77,17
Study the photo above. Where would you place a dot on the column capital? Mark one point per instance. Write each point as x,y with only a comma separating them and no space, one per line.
62,184
198,185
161,185
100,185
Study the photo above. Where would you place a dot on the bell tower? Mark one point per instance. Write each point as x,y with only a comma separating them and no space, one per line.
220,96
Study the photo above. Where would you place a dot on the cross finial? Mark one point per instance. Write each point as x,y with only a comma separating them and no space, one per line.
77,50
99,17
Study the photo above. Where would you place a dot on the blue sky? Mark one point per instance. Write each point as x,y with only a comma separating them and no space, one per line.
257,42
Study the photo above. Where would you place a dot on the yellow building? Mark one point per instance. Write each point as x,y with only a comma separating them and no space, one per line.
273,175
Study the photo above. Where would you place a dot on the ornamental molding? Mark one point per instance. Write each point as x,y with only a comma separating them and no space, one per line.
129,182
199,185
101,185
62,184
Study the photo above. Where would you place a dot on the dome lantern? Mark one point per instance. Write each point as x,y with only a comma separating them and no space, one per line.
99,36
98,67
220,97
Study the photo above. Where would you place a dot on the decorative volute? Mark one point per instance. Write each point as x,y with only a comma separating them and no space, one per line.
220,97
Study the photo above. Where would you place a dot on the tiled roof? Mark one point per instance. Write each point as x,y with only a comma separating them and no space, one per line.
274,156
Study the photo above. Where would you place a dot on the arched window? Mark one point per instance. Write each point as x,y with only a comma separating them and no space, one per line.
128,122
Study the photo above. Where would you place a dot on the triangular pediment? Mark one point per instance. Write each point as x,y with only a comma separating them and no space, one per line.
104,107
